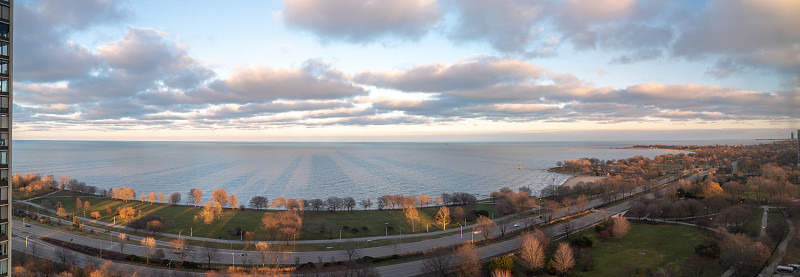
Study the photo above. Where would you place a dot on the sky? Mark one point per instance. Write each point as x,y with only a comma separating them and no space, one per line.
411,70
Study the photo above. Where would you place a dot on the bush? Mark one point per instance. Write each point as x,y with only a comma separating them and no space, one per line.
354,230
502,263
599,227
711,251
551,267
141,223
581,241
364,228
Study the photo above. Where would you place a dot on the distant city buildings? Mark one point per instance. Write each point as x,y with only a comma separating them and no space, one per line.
6,32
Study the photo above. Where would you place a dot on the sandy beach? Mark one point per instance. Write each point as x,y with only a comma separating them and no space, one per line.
586,179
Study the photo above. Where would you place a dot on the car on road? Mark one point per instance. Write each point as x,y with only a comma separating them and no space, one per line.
27,225
477,232
516,224
243,255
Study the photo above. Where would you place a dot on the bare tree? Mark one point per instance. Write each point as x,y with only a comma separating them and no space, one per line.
412,216
122,240
567,228
152,197
563,258
566,202
528,220
351,249
503,226
259,202
531,252
220,196
34,250
175,198
366,203
551,207
196,197
443,217
263,251
334,203
619,226
316,204
469,258
286,222
179,247
438,262
149,244
458,214
209,253
485,225
580,202
349,203
543,239
64,255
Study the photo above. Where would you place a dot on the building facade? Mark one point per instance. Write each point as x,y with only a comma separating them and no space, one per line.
6,76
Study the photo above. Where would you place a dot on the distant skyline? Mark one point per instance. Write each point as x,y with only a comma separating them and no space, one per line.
413,70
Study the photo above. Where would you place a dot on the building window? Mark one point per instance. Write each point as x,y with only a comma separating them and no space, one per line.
5,30
4,48
4,229
3,67
4,157
3,121
5,13
4,85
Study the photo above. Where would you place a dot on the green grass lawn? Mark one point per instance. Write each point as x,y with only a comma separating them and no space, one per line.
177,218
646,246
753,225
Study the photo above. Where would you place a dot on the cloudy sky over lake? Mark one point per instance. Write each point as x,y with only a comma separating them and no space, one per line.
412,69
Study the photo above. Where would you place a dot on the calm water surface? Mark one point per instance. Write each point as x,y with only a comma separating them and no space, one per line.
312,170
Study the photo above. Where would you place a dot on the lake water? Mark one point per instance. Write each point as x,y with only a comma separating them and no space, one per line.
312,170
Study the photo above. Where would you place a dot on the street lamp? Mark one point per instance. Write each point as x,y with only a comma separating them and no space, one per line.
233,259
179,234
462,230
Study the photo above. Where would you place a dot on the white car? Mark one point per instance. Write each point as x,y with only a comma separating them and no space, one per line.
516,225
477,232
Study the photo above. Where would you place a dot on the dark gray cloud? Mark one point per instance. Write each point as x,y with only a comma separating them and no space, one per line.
509,26
42,50
761,34
362,21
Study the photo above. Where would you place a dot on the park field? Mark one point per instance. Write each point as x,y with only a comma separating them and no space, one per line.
181,217
645,247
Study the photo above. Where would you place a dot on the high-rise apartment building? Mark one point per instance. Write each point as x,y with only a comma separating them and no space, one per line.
6,36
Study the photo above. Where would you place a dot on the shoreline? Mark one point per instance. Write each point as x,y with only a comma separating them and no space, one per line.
574,180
